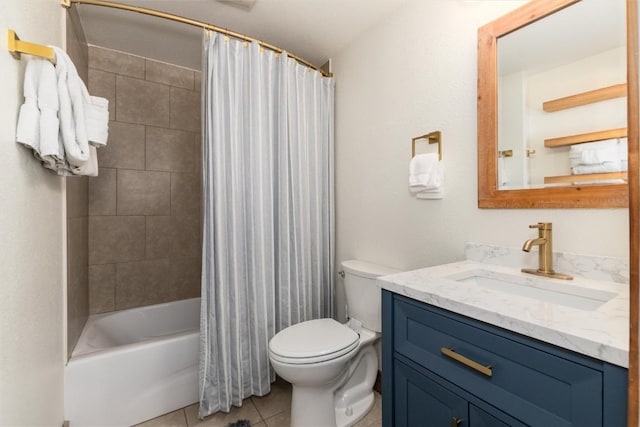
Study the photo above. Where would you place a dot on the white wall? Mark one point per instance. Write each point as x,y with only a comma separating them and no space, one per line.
31,239
411,74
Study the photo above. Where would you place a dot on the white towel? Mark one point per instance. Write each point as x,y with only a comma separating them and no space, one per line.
97,119
49,105
28,128
72,119
424,173
605,167
90,167
598,152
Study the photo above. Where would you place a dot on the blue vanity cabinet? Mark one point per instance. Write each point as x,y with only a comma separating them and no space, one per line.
444,369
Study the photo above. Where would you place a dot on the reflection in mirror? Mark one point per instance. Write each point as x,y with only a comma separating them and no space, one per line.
552,115
563,55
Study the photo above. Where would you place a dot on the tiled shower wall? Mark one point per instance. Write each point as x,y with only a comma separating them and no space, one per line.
77,202
144,207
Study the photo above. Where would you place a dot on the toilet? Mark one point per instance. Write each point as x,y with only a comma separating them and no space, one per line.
332,366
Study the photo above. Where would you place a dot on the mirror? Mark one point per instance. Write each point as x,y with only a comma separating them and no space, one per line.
542,95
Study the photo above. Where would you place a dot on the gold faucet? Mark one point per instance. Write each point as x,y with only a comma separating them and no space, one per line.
545,252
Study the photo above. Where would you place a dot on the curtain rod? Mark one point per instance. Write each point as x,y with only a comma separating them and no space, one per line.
192,22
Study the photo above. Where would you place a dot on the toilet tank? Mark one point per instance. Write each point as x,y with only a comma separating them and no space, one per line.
362,293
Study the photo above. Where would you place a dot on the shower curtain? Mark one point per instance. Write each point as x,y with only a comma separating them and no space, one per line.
268,232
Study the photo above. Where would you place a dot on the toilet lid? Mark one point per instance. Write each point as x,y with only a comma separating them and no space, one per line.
313,341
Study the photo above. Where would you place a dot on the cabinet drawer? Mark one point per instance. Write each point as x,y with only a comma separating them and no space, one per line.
540,388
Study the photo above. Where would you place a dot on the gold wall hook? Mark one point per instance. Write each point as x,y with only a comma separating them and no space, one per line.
432,138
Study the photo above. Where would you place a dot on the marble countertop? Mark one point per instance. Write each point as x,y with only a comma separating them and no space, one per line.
602,333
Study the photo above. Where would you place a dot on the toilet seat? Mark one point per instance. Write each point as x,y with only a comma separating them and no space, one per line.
313,341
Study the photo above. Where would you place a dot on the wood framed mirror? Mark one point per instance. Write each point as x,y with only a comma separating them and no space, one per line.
570,194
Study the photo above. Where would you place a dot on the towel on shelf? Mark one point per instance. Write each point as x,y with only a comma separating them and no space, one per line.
426,176
598,152
619,166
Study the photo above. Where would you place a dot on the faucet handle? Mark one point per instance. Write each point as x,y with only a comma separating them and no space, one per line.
541,226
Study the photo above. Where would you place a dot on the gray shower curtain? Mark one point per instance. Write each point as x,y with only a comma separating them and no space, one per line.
268,232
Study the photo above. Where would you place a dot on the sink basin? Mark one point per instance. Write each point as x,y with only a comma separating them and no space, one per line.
547,290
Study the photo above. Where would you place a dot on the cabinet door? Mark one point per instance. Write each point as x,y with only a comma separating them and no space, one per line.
420,401
481,418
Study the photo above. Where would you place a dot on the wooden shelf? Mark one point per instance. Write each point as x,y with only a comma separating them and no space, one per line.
585,137
610,92
566,179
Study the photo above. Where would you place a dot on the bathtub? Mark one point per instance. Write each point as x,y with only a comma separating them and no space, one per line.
133,365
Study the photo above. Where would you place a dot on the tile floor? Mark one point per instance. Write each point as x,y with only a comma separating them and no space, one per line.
271,410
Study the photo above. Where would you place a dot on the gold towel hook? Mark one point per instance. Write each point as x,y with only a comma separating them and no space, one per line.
15,46
433,138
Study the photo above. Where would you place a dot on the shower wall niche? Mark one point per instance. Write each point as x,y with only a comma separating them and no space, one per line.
144,207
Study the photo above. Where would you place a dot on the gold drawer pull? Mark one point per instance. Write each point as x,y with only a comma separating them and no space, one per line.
449,352
456,421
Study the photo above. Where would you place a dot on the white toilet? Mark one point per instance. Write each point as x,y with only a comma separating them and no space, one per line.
332,366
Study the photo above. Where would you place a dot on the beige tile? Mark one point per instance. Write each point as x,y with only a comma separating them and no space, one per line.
77,278
221,419
170,150
102,193
116,239
186,240
374,417
102,83
172,419
139,101
158,237
102,288
198,156
185,194
77,48
198,81
125,148
260,424
77,196
143,192
141,283
168,74
116,62
276,402
185,109
185,278
283,419
172,236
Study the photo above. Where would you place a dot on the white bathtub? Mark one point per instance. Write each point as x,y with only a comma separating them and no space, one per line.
133,365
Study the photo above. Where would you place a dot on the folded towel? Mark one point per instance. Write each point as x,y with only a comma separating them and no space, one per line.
601,182
433,194
72,118
425,173
59,118
28,128
90,167
48,105
599,168
598,152
97,117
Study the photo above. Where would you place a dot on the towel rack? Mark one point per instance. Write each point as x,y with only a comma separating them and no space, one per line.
433,138
17,47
